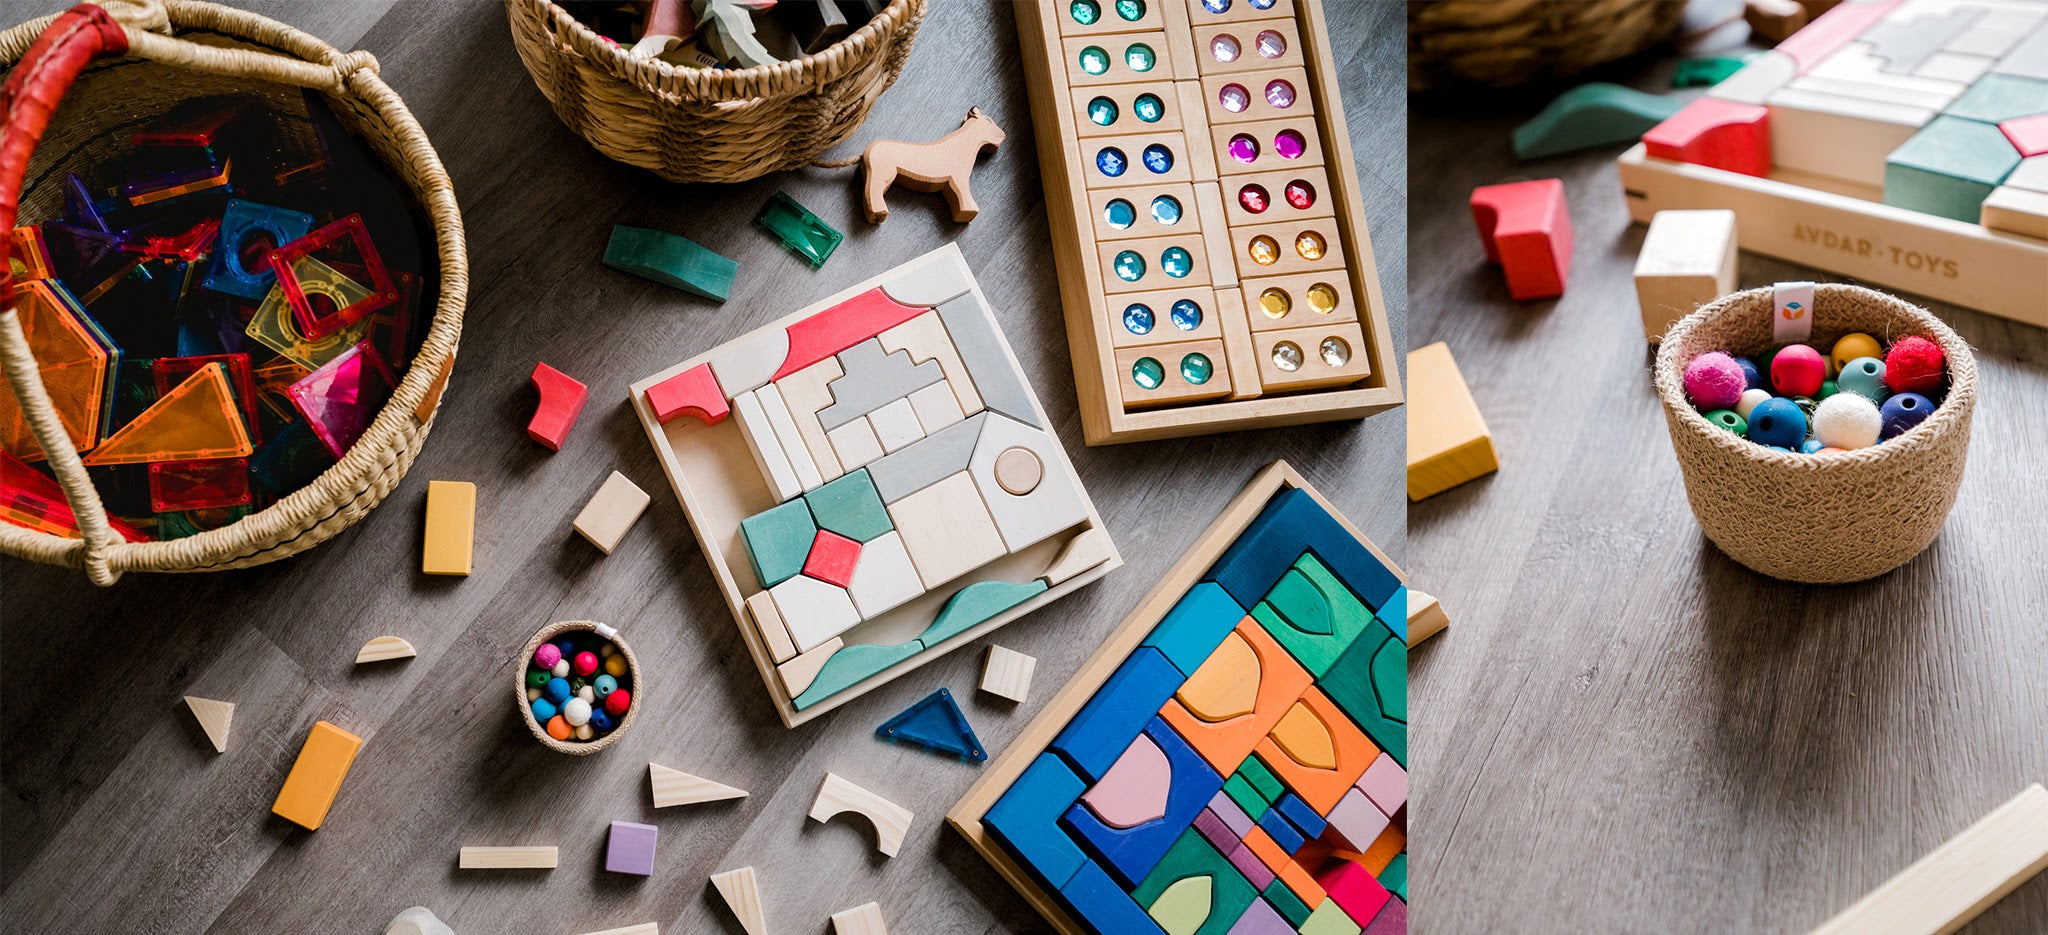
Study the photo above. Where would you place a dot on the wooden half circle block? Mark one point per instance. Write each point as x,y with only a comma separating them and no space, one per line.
383,648
1717,134
891,821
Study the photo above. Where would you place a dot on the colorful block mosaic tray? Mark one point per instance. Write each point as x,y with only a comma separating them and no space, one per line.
1234,758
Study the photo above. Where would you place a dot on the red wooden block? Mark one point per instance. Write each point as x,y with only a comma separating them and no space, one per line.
1715,133
1526,228
693,392
1355,890
1832,30
561,402
832,558
2029,135
842,326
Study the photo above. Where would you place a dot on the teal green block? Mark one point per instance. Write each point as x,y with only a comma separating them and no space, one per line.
1246,796
1949,168
804,233
850,507
1592,115
1370,682
1283,901
852,664
1709,71
975,603
1254,771
1312,615
778,540
671,261
1191,856
1395,877
1996,98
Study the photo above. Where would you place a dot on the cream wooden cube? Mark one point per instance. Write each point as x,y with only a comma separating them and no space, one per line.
1688,260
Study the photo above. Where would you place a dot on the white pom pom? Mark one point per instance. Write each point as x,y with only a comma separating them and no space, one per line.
1749,400
576,711
1847,421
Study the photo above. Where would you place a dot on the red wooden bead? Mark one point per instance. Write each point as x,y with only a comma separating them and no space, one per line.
1798,370
586,663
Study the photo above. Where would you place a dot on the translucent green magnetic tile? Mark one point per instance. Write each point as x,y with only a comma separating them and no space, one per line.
670,260
801,231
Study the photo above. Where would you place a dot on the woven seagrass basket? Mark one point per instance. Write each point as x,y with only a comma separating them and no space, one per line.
576,747
1503,43
710,125
134,60
1823,518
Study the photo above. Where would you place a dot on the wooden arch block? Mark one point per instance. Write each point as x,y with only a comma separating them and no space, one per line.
561,404
891,821
1526,228
1715,133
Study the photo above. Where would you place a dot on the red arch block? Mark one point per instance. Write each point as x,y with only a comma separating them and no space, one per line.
1715,133
1526,228
561,403
693,392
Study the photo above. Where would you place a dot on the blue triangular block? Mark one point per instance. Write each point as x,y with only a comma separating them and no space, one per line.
935,723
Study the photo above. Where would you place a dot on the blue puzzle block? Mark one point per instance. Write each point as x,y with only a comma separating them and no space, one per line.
1293,523
1025,820
1131,853
1196,626
1283,832
1111,719
1395,613
1103,906
1301,815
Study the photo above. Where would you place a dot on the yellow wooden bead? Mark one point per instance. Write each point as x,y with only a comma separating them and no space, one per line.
615,665
1853,345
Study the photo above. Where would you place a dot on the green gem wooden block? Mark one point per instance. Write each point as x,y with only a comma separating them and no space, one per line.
1312,615
1190,871
804,233
671,261
1949,168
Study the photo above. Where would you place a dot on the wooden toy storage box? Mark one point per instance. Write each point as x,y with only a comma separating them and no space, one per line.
1104,418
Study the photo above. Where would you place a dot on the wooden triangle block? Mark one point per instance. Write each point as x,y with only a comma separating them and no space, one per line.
196,420
743,893
675,787
213,717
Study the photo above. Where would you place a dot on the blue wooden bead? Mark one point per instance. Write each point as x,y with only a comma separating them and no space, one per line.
601,720
1864,376
558,690
605,685
544,710
1752,379
1778,423
1810,446
1902,412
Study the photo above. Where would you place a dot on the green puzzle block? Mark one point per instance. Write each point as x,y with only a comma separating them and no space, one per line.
850,507
1370,682
778,540
1246,796
671,261
1395,877
1997,98
1590,115
1949,168
1269,786
1313,615
851,664
1179,878
1329,919
975,603
1286,903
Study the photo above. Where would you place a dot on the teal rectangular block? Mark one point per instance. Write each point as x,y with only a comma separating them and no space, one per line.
1949,168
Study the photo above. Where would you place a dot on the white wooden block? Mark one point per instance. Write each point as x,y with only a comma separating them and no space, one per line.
675,787
855,444
891,821
1996,33
1025,517
1951,66
776,471
947,529
768,622
1426,617
929,282
860,920
884,578
805,392
896,425
2032,174
644,928
507,858
1874,93
417,920
1084,550
742,893
611,512
936,407
747,361
1758,80
383,648
214,718
1955,882
813,610
2016,211
1688,260
797,674
1006,673
788,437
1839,137
1856,63
925,337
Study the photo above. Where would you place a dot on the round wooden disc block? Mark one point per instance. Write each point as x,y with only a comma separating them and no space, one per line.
1019,471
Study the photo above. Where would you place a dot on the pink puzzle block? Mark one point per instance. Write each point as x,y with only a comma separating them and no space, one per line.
693,392
1356,892
1832,30
1354,823
1233,817
1526,228
832,558
1260,918
2029,135
1134,790
561,403
842,326
1717,134
1215,830
1386,784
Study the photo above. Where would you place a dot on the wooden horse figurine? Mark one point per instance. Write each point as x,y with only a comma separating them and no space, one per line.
943,164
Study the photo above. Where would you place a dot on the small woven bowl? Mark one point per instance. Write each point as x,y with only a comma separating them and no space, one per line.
576,747
1825,518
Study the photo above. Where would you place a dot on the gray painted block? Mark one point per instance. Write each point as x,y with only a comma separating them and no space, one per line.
873,380
1905,44
2029,59
987,358
934,458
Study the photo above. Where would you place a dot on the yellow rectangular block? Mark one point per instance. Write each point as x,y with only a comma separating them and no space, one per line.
316,775
1447,439
451,527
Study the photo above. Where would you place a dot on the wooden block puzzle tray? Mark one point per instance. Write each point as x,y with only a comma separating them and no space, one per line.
1213,255
873,482
1907,145
1234,758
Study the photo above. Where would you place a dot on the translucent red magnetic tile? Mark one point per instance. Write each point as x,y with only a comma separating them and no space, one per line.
322,301
342,398
198,485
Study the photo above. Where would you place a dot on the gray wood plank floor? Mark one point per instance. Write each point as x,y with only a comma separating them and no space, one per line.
117,818
1624,730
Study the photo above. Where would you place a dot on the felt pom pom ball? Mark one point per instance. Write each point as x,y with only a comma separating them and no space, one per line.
1846,421
1750,397
1714,381
1798,370
1778,423
1904,411
547,655
1915,365
1811,446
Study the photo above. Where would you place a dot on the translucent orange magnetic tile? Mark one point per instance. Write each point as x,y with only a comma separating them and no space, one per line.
72,365
197,420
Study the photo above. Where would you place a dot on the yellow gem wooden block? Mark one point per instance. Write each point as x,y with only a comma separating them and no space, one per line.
451,527
1448,443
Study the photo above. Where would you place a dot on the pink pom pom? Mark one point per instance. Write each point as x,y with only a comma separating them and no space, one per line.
1915,365
1798,370
547,655
1713,381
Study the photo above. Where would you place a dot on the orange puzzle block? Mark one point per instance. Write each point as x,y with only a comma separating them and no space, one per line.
1236,696
316,775
1317,751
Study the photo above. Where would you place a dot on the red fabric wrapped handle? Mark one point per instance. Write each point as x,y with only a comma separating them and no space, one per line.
39,81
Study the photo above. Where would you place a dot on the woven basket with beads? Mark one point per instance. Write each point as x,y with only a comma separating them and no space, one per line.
710,125
114,65
1503,43
576,747
1818,518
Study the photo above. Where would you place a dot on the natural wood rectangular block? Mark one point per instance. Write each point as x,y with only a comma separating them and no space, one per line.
1687,260
1448,443
507,858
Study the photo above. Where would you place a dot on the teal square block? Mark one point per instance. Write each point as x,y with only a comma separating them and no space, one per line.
1949,168
778,540
851,507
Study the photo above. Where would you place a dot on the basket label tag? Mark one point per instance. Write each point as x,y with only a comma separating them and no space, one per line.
1791,311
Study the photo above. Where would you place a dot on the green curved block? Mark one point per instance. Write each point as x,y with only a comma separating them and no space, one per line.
671,261
1590,115
975,603
851,664
1370,682
1312,615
